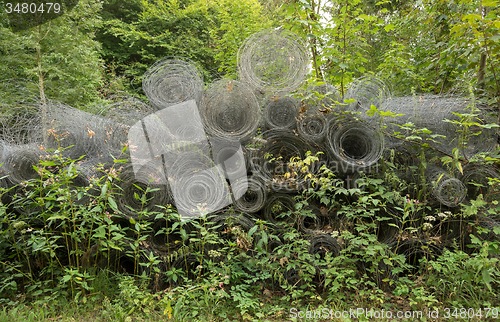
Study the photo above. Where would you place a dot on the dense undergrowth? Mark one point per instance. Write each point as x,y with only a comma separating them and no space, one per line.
380,243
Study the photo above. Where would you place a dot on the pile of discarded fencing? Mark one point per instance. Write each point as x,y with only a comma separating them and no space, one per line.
178,146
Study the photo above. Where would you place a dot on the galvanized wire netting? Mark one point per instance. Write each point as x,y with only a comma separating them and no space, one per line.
205,150
21,125
252,192
365,92
230,109
448,190
126,110
81,133
171,81
354,144
20,160
273,60
439,115
281,112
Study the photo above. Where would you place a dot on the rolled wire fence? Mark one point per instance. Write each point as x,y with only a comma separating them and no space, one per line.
262,138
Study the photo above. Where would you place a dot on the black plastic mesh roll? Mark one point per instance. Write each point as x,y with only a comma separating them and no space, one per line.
353,145
253,194
323,244
273,60
171,81
447,190
141,191
230,110
281,112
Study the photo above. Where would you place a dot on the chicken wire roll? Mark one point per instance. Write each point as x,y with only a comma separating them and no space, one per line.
323,244
249,194
172,81
273,60
312,127
141,191
21,125
230,110
231,155
80,133
198,185
353,145
276,150
277,207
433,111
366,91
126,110
20,161
281,113
446,189
476,178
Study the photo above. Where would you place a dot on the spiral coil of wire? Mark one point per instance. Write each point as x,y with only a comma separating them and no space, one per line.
230,109
171,81
273,60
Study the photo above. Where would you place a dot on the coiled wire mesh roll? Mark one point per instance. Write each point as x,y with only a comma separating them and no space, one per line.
353,145
198,185
20,160
323,244
230,109
21,125
253,194
446,189
431,111
273,60
415,249
81,133
171,81
230,154
275,151
281,112
277,205
312,127
317,102
311,219
366,91
139,192
169,234
223,222
476,178
89,171
126,110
